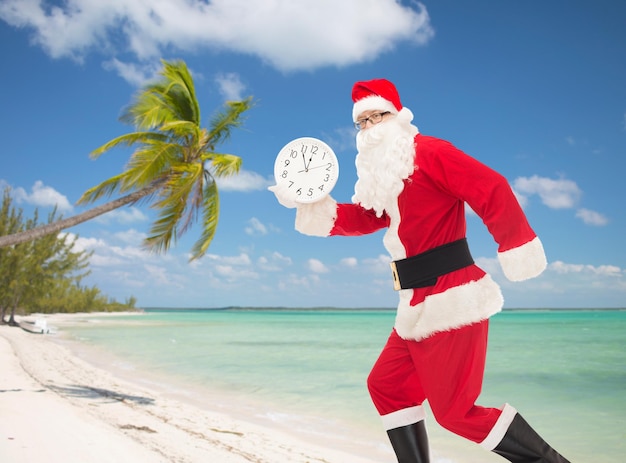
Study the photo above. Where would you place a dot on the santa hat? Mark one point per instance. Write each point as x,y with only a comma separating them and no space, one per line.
376,94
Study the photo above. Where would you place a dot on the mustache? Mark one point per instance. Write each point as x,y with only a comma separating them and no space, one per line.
371,137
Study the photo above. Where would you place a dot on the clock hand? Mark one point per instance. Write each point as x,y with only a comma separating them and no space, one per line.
311,168
305,166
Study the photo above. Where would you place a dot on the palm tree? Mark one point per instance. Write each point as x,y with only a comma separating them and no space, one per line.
173,167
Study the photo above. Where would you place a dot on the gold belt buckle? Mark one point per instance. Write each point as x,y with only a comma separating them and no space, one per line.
396,278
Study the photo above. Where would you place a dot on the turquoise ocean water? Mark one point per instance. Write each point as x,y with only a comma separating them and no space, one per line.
305,371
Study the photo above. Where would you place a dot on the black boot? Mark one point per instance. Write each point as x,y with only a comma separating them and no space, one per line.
521,444
410,443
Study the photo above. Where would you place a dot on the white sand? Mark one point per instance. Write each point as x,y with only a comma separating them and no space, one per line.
54,407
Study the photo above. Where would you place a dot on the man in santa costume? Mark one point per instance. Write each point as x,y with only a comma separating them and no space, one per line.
417,186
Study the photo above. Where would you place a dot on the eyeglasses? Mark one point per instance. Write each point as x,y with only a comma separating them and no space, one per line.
372,118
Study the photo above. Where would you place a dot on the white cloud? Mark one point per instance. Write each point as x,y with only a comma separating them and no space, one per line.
290,35
108,255
242,259
556,194
125,215
157,274
274,263
256,227
234,274
342,138
131,252
83,244
379,264
43,196
291,281
67,31
230,86
226,271
137,74
351,262
469,210
592,217
562,285
491,265
316,266
131,236
602,270
245,180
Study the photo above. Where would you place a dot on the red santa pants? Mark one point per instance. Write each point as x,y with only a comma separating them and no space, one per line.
446,369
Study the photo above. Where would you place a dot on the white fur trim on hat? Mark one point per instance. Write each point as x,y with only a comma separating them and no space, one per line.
405,114
371,103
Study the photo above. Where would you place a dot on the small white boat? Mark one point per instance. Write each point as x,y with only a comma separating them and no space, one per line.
39,326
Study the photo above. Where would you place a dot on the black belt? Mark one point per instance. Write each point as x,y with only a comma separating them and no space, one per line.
423,269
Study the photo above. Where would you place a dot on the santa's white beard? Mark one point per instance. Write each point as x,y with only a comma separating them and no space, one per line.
386,157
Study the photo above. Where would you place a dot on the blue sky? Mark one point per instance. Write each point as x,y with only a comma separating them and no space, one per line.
536,90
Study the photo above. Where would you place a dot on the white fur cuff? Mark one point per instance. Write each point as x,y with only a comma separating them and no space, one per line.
497,433
317,219
403,417
524,262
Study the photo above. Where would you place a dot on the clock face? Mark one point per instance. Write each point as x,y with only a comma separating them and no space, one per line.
308,168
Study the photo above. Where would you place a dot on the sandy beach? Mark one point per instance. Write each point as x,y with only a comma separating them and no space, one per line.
57,408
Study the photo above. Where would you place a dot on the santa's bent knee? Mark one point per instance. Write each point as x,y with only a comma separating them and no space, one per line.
453,425
381,393
473,423
374,384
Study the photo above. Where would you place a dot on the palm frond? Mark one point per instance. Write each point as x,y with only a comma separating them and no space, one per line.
182,130
210,215
223,165
181,180
106,188
172,206
163,230
194,201
224,121
149,109
171,98
128,139
151,161
182,90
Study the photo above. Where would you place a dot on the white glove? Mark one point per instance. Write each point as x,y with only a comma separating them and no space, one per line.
280,191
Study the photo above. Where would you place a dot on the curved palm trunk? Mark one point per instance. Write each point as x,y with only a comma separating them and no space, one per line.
55,227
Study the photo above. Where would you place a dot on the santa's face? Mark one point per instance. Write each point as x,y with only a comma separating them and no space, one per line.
386,157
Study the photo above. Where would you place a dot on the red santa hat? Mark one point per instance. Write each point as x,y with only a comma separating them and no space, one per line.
376,94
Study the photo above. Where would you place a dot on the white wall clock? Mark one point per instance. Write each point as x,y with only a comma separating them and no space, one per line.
307,168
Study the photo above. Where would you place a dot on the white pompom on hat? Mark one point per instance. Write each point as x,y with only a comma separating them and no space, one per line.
376,94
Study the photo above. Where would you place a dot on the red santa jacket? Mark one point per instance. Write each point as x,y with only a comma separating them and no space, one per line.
430,212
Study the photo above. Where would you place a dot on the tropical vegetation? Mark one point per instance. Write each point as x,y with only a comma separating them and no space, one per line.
174,165
44,275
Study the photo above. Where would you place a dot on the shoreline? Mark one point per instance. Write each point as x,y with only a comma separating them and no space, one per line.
61,408
158,418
